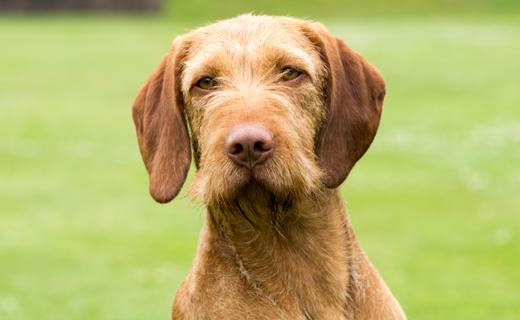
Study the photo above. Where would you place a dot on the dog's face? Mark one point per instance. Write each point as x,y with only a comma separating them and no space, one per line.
253,93
270,101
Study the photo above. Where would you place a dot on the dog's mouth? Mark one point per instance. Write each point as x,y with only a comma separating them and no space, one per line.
252,178
262,178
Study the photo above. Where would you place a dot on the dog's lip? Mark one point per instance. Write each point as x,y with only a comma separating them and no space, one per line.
252,175
251,171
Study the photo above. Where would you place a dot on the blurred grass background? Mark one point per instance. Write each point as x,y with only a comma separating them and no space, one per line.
202,10
435,202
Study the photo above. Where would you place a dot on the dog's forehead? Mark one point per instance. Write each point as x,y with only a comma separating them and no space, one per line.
253,40
251,31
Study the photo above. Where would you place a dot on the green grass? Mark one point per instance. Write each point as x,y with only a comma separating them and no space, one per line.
203,10
435,202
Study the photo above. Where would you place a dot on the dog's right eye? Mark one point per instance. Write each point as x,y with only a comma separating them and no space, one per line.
289,74
206,83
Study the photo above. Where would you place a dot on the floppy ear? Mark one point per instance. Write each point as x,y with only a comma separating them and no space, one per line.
160,124
354,91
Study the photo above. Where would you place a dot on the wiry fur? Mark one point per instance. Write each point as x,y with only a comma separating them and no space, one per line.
276,243
249,87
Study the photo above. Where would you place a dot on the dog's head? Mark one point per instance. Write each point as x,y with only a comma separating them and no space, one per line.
270,101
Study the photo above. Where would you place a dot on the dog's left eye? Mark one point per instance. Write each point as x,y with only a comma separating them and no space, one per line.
290,74
206,83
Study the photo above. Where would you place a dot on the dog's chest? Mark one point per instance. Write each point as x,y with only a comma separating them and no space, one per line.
233,307
226,293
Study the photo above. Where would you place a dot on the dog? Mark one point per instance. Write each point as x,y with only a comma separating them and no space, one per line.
275,111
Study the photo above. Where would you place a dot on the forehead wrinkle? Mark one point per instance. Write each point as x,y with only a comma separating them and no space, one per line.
265,49
232,60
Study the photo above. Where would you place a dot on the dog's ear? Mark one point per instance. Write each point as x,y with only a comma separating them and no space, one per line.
158,115
354,99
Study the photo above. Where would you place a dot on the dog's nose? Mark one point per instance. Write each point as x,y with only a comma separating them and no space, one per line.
249,145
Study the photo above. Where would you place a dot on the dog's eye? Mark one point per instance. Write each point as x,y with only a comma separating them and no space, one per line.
206,83
290,74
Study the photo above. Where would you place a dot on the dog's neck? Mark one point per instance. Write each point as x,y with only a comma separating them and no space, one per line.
287,249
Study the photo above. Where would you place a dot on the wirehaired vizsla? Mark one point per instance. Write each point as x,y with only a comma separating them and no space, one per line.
276,112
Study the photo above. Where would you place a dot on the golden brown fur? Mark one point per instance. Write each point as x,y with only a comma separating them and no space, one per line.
276,243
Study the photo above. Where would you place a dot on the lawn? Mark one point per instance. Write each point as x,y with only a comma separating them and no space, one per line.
435,202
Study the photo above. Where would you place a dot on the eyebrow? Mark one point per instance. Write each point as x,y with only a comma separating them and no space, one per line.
198,67
303,59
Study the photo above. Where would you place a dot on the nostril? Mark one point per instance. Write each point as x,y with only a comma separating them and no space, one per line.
259,146
236,149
